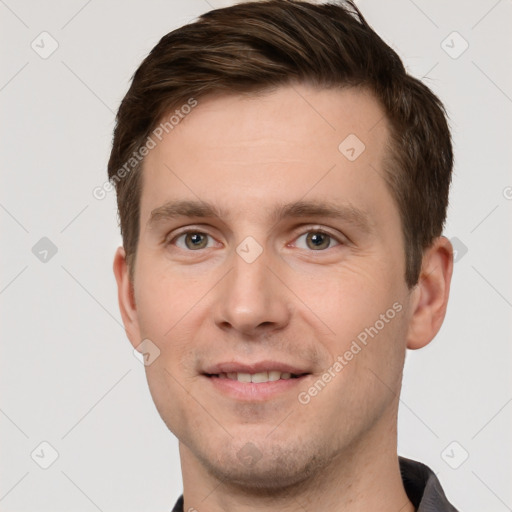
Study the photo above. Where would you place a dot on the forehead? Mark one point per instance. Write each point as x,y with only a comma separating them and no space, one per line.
250,153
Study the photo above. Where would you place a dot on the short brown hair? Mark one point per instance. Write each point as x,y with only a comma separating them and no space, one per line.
257,46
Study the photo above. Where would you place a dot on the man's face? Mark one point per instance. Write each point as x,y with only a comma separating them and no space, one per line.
248,291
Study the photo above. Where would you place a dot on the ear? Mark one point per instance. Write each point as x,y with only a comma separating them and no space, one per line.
126,297
430,295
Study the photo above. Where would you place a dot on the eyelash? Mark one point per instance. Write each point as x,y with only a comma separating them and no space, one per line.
310,230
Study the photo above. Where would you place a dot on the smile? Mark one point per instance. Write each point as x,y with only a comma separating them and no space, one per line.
256,387
270,376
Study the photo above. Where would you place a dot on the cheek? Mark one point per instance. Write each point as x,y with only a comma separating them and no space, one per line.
170,311
162,299
363,308
367,355
349,298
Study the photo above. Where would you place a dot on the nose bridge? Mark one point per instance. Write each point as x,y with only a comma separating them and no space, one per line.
252,299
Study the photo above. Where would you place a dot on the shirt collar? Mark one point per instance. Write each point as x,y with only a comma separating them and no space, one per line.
423,487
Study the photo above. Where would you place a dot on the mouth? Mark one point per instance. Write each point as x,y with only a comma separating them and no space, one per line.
257,378
255,383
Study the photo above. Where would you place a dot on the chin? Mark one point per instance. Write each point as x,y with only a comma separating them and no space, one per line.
273,470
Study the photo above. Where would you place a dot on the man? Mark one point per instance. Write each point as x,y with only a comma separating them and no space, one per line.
282,187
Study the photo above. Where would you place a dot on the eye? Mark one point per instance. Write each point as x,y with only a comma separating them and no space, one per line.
318,240
193,240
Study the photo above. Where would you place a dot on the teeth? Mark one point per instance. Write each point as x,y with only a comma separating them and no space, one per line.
244,377
259,377
270,376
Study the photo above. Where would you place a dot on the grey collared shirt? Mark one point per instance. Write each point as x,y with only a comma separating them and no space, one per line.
421,485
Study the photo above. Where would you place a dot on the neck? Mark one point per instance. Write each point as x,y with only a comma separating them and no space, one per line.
364,477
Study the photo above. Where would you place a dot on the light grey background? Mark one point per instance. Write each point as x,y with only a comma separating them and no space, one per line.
68,375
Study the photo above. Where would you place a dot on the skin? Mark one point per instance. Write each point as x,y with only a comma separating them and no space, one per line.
295,303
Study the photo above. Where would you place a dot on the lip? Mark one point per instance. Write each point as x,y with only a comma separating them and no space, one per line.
254,367
252,391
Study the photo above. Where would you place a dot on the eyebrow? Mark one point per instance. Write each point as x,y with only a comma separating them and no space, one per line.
297,209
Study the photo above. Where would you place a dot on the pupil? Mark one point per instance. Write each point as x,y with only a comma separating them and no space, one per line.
318,239
196,239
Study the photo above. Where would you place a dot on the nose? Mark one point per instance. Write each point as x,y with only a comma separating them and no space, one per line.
253,299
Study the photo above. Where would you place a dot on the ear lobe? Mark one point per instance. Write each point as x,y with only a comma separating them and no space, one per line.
431,294
126,297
